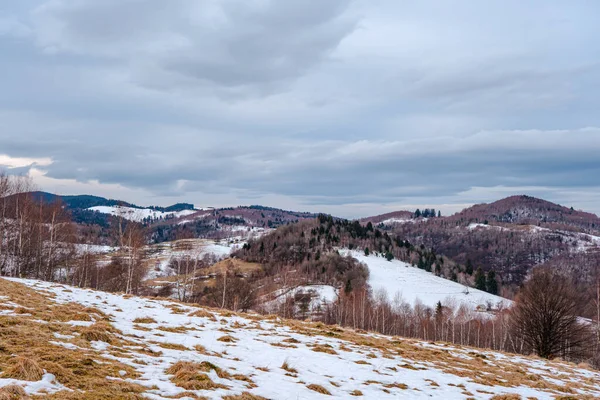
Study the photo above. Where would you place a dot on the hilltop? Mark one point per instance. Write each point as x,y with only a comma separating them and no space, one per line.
510,236
96,345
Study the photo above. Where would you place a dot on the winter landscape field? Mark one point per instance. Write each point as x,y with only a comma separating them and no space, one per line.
72,341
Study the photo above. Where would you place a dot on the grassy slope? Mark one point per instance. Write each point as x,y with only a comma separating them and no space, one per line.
81,344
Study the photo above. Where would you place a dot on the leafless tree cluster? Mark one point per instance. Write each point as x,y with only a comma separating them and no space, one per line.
36,238
230,291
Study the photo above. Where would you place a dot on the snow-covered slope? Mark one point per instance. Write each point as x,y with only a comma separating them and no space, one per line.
166,350
415,284
140,214
160,255
316,297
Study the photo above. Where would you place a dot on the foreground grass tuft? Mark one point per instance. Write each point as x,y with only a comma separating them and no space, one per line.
187,375
144,320
24,369
319,389
100,331
13,392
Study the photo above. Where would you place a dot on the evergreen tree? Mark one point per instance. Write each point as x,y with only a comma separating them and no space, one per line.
417,213
439,214
492,284
389,256
439,309
469,267
480,281
367,251
453,277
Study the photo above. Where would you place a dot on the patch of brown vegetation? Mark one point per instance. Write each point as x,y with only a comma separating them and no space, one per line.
174,329
396,385
506,397
171,346
319,389
99,331
227,339
356,393
144,320
200,313
324,349
24,369
285,366
244,396
187,375
13,392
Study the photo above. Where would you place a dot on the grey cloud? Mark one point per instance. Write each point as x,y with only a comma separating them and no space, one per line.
331,103
228,43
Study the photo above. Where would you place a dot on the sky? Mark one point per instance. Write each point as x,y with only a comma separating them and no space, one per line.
353,108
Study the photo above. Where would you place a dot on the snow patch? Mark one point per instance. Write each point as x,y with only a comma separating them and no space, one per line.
416,285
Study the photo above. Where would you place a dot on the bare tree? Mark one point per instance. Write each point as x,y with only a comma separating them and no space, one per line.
546,316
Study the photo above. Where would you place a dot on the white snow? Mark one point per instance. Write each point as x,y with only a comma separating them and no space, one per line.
160,255
415,284
94,248
474,226
140,214
260,348
392,221
47,384
319,296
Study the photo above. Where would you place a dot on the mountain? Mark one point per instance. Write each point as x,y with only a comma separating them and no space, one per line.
388,218
526,210
79,201
67,343
510,236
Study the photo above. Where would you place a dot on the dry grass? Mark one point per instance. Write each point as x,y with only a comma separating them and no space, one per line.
24,338
171,346
356,393
285,366
187,375
319,389
24,369
100,331
13,392
227,339
324,349
144,320
200,313
244,396
506,397
87,371
396,385
173,329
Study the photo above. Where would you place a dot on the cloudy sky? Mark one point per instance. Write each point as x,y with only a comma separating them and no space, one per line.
349,107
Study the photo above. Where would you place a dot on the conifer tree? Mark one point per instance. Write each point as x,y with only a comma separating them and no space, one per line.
480,281
469,267
492,285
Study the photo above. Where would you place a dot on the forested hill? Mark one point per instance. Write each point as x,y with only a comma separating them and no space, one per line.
510,236
306,242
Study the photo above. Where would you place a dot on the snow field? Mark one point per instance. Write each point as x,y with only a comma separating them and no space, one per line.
416,285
